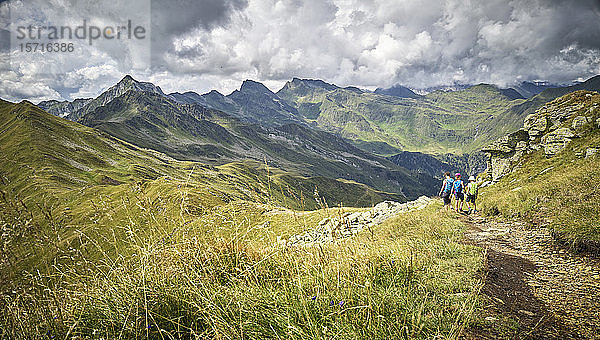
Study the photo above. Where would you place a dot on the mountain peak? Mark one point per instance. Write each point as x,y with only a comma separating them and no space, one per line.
214,93
253,86
397,91
127,79
128,83
314,83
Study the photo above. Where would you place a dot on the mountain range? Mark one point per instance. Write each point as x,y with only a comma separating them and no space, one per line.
46,159
313,128
384,121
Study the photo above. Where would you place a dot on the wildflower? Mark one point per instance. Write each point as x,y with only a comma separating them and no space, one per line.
313,298
341,303
332,303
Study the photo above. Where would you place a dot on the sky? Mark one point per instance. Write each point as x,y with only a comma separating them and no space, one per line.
201,45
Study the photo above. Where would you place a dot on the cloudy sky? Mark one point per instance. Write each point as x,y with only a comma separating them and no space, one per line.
201,45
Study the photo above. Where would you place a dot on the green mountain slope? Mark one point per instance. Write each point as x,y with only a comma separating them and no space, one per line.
193,132
41,152
46,155
439,122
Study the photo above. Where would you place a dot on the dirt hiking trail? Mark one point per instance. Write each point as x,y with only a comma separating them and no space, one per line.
534,289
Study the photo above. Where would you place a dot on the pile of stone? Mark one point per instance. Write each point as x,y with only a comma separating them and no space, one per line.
349,224
550,129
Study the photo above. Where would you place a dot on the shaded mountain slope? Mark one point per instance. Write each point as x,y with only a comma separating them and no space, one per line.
193,132
436,166
397,91
45,156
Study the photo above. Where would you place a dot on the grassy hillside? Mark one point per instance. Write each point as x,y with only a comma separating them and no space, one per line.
437,123
561,192
103,239
149,269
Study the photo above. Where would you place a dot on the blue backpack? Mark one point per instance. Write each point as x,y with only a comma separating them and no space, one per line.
449,182
458,186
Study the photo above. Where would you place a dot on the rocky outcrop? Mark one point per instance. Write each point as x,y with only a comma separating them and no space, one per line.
535,125
349,224
549,129
580,121
557,140
505,153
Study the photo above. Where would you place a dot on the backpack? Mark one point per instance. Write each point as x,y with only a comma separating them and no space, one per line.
458,186
472,188
449,182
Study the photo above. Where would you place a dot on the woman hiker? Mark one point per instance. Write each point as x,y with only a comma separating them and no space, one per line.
446,190
457,190
472,193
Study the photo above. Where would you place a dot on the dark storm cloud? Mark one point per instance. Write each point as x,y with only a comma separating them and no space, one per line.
211,44
417,43
171,18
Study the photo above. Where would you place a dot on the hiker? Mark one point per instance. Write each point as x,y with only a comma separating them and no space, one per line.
472,193
458,192
446,190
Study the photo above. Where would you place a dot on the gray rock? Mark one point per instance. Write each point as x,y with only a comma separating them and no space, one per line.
580,121
505,153
508,143
556,141
535,125
349,224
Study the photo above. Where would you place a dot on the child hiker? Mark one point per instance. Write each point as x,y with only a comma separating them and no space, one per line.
472,194
446,190
457,190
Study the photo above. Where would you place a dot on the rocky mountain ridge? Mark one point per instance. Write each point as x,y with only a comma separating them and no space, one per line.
439,122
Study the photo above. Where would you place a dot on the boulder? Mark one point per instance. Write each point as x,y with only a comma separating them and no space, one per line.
558,112
508,143
580,121
556,141
505,153
500,167
535,125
